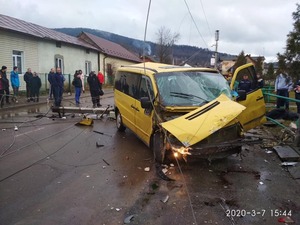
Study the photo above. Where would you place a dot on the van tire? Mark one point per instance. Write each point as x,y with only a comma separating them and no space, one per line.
158,147
119,122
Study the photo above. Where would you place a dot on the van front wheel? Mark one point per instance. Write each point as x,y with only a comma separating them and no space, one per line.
119,122
158,146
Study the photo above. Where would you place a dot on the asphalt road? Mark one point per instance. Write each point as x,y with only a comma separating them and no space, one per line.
52,172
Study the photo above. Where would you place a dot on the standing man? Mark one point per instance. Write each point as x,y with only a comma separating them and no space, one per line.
35,85
50,77
5,82
94,88
15,83
58,87
27,78
283,84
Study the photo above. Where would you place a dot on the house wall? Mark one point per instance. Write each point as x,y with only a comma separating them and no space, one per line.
74,57
39,55
115,63
10,41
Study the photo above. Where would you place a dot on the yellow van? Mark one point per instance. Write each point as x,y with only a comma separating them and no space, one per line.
187,110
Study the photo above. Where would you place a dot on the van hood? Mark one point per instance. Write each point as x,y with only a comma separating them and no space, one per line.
204,121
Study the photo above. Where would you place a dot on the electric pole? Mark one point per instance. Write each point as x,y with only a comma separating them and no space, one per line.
216,52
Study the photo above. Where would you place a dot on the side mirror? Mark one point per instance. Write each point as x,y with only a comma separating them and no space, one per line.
242,95
146,103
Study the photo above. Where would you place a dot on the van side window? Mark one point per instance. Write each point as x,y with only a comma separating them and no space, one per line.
127,83
146,88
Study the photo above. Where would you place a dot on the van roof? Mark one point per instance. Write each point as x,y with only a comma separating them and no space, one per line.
160,68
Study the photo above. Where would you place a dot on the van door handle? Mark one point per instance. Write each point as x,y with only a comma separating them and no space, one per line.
136,109
259,98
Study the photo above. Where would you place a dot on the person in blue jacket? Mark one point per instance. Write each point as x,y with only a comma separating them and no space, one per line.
58,87
15,83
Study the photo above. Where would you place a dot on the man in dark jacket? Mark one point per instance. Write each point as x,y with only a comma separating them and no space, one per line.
27,78
95,87
58,87
35,85
245,84
5,83
50,77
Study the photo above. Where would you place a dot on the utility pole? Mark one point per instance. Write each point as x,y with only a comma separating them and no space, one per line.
216,52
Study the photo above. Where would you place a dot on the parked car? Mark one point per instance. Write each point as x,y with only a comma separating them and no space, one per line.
187,111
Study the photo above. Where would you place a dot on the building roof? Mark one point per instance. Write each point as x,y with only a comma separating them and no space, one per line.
110,48
16,25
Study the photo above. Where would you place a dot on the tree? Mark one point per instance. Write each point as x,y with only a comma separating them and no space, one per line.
281,63
165,42
258,65
270,72
241,60
292,53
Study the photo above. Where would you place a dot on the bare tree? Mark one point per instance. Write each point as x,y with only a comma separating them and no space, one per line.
165,41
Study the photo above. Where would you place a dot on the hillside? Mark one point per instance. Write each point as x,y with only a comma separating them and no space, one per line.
181,53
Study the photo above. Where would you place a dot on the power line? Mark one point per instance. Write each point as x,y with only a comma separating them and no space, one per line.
195,23
206,19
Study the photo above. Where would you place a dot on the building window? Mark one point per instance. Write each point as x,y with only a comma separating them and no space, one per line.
58,44
88,67
87,51
59,62
18,60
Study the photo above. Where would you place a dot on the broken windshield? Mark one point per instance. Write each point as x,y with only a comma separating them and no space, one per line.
190,88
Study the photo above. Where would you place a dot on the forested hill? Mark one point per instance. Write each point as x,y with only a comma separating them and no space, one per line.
181,53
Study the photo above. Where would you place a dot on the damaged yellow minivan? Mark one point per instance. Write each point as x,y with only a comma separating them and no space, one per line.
187,111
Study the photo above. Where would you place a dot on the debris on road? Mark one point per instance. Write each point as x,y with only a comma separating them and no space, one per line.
286,220
106,162
16,128
147,169
160,173
128,219
99,145
286,153
289,163
165,199
85,122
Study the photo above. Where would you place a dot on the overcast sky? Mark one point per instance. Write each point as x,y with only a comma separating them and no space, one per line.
259,27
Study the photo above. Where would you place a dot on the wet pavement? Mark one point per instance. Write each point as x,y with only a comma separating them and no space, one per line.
53,172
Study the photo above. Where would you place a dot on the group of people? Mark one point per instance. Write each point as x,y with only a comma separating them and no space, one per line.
95,84
56,80
33,85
